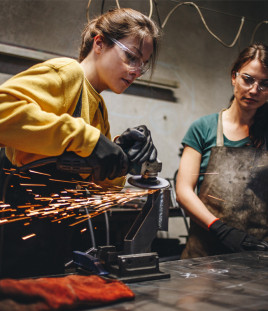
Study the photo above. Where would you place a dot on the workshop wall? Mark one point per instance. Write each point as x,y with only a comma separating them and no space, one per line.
190,56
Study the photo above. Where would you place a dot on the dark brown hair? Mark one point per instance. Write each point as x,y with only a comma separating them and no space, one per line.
259,129
118,24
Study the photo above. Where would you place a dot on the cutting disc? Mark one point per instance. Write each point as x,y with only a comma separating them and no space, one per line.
148,183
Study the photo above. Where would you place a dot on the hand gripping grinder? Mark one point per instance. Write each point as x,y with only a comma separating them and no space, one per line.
144,175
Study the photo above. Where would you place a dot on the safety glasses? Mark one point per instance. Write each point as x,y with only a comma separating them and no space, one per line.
248,82
133,61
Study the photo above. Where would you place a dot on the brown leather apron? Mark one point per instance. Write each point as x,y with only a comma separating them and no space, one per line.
235,190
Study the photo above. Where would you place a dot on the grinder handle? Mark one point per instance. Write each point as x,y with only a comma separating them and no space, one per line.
72,163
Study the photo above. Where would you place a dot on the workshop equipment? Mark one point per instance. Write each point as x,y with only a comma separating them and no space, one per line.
135,262
88,262
145,176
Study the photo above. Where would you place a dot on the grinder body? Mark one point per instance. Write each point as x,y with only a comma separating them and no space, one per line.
145,175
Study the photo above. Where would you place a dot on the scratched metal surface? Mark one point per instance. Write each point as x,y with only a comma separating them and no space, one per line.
225,282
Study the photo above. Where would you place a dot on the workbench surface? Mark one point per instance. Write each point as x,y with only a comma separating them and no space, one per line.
224,282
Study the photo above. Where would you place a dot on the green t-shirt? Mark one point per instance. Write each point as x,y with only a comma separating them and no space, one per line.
202,135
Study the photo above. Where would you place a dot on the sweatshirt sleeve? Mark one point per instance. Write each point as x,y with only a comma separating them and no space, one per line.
35,112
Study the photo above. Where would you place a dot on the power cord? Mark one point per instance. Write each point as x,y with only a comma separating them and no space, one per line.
255,29
205,24
153,3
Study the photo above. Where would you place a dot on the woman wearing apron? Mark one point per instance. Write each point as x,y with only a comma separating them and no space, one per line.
225,155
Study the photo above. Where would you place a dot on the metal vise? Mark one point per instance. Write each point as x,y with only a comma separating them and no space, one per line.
136,263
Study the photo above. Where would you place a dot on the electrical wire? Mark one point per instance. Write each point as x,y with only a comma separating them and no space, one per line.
151,9
220,12
205,24
102,6
91,231
87,11
157,13
107,225
200,14
255,29
117,3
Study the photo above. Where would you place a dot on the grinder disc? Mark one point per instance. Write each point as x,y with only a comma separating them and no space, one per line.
148,183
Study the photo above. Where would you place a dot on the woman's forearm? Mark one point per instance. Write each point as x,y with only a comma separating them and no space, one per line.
194,207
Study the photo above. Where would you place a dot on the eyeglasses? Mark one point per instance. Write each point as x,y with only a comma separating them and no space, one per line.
133,61
248,82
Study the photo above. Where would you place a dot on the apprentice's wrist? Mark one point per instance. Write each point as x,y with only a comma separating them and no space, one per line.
115,138
213,221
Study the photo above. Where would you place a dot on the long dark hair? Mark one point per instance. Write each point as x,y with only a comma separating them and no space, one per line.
259,128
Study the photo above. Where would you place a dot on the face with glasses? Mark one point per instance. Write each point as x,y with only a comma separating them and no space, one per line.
251,85
119,65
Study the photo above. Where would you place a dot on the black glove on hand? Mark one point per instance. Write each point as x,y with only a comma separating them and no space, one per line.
236,240
252,244
137,143
107,160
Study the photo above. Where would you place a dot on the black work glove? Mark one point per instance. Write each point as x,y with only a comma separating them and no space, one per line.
107,160
137,143
236,240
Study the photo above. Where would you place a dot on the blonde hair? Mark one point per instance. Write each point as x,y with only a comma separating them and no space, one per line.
118,24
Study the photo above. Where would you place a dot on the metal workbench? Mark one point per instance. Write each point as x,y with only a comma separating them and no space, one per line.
224,282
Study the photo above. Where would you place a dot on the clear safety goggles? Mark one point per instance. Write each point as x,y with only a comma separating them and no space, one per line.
133,61
248,82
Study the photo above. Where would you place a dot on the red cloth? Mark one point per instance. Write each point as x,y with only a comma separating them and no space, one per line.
60,293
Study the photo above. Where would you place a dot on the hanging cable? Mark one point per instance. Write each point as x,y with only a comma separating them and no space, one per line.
200,14
88,5
255,29
205,24
157,13
107,225
151,9
91,230
117,3
102,6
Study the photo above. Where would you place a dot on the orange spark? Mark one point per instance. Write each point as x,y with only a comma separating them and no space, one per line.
215,198
28,236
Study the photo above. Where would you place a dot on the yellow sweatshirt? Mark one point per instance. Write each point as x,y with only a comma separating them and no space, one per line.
36,108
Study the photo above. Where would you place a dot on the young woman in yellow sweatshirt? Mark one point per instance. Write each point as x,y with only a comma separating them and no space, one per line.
55,107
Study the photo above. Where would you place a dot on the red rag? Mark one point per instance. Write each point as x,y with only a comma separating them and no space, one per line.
65,293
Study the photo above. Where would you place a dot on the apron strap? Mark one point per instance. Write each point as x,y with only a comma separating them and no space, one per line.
78,108
220,141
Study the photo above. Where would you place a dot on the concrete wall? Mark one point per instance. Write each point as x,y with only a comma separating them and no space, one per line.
189,56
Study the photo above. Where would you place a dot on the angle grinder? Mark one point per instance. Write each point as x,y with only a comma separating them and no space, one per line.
145,176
